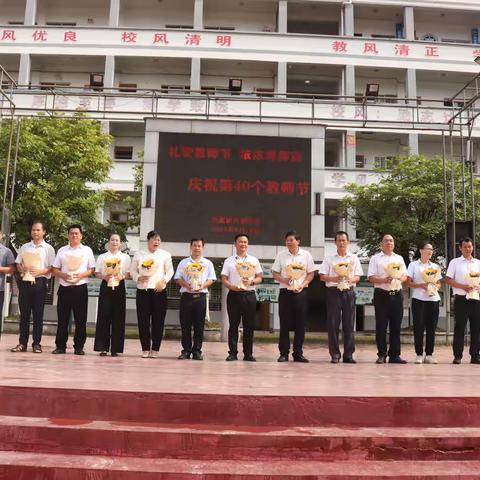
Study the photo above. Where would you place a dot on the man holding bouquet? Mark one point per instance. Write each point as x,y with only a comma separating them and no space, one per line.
387,271
195,275
463,274
341,271
73,265
240,274
34,263
293,269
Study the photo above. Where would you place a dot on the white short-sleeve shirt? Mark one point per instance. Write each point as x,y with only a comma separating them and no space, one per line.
207,274
458,269
414,271
285,258
125,261
377,264
326,268
229,269
88,261
46,251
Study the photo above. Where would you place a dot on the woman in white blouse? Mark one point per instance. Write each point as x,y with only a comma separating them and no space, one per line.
110,331
425,305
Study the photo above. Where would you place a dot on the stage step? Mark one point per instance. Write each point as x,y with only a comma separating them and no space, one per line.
216,442
37,466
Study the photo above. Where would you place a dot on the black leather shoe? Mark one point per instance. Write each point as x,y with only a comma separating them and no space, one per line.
381,359
184,356
231,358
19,348
457,361
475,360
114,354
79,351
103,354
249,358
197,356
59,351
282,358
396,360
301,359
37,348
349,360
334,360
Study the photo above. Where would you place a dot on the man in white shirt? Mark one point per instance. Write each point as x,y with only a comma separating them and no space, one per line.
193,300
387,300
341,298
73,265
292,301
31,295
465,309
241,298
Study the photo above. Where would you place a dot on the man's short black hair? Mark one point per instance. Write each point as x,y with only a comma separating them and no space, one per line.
197,239
35,222
341,232
293,233
465,240
75,225
152,234
241,235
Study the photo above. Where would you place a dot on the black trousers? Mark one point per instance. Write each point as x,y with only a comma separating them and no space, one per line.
388,314
151,312
110,330
193,308
341,308
2,298
292,309
31,301
425,319
72,299
241,306
466,310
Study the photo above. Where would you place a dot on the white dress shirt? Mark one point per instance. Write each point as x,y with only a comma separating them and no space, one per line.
88,261
124,258
207,274
326,268
285,258
414,271
164,269
46,251
458,269
377,264
229,269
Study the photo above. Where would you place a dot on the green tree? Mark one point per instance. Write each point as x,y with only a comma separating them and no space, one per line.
61,161
134,200
407,203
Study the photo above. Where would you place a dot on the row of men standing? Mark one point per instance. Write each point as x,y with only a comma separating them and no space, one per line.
151,299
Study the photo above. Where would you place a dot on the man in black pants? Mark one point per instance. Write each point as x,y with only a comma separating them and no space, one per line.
341,297
387,299
31,295
195,275
240,273
73,265
467,303
293,269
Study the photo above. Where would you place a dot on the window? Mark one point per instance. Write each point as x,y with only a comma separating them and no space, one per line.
15,22
360,161
180,26
219,28
175,89
332,217
53,84
264,92
118,217
127,87
123,153
214,90
386,162
61,24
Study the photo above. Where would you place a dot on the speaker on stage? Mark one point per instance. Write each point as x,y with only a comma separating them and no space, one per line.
462,229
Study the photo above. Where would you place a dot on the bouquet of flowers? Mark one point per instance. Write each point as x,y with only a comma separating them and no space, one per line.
112,267
473,280
395,271
246,270
194,272
296,272
343,270
431,276
147,267
30,260
73,263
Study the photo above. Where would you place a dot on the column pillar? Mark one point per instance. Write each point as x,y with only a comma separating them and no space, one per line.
282,16
281,86
30,12
350,135
411,91
198,15
114,16
348,20
109,75
408,23
195,74
24,69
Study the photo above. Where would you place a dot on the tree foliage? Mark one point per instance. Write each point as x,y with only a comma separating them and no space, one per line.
408,203
61,161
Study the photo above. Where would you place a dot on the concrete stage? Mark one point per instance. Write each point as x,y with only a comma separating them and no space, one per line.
91,417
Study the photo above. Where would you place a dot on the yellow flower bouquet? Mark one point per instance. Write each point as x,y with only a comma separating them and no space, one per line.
343,270
194,272
431,276
246,270
296,272
395,272
30,260
113,267
473,280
